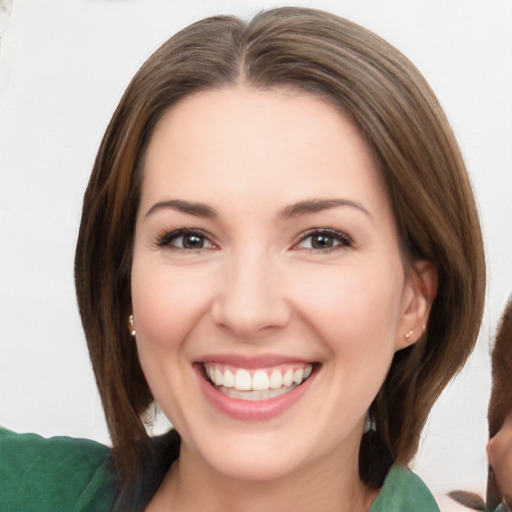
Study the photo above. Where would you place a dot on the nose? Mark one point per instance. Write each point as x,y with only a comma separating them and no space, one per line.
250,300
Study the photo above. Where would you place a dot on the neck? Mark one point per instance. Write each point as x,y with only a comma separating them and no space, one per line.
328,485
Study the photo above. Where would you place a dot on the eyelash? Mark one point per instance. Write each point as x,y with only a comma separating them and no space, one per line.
167,238
344,241
339,239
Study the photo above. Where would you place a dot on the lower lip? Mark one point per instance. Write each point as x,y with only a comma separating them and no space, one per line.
246,410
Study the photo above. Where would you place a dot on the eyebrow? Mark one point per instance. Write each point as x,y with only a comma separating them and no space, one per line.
197,209
318,205
293,210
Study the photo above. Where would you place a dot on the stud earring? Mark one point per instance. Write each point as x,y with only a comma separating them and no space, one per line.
408,335
131,321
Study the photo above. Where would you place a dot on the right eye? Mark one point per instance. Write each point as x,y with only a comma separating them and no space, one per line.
185,239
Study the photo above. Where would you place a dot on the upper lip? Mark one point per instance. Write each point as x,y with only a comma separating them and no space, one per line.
251,362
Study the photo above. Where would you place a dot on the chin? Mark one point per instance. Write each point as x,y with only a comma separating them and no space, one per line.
255,466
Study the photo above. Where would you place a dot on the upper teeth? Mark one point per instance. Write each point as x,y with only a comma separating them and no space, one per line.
259,380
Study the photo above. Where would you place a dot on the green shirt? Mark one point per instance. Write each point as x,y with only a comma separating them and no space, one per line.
62,474
53,475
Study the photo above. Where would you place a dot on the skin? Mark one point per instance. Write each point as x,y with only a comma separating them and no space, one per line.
258,286
499,450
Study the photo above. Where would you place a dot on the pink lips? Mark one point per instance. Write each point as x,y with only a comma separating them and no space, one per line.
245,410
250,363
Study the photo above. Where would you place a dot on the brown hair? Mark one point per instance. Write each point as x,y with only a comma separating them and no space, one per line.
396,111
500,404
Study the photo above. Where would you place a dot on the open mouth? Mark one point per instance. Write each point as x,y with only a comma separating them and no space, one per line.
257,384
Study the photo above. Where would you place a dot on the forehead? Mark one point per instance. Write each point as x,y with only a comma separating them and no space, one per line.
246,111
238,141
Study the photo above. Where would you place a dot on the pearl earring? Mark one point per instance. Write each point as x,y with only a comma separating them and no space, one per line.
408,335
131,321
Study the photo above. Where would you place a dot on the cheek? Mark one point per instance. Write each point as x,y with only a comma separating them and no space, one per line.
167,303
355,307
352,314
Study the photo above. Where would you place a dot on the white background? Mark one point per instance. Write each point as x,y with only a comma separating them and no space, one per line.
63,67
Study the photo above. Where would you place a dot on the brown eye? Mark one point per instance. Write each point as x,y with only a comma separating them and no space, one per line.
321,241
185,239
324,240
191,241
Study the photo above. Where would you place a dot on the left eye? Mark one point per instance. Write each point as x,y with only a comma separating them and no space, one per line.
324,240
185,239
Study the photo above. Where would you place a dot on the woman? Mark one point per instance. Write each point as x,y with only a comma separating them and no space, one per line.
279,245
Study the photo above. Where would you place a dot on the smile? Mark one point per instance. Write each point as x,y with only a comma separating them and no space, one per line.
257,388
257,384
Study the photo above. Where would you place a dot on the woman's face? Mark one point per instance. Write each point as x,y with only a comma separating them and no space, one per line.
266,251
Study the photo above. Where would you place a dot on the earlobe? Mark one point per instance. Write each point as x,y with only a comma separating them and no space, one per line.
419,294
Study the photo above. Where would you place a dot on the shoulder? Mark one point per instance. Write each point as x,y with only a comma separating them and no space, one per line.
404,491
56,474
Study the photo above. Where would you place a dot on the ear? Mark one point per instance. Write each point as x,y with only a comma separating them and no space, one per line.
419,292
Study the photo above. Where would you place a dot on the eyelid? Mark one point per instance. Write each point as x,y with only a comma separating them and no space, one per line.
345,241
165,237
